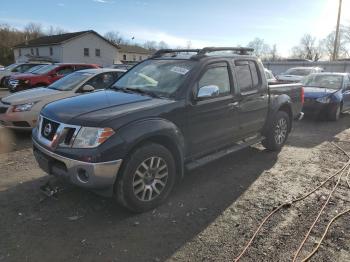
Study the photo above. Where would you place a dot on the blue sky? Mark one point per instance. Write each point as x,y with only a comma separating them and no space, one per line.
204,23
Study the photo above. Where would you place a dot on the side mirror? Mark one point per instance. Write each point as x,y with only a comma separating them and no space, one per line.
208,91
87,88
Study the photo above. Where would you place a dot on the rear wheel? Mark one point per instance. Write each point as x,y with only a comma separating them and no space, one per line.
334,114
278,133
147,178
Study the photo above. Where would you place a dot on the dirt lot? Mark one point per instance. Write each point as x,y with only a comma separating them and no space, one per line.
209,217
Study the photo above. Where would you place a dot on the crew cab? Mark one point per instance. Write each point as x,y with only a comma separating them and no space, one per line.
176,111
44,76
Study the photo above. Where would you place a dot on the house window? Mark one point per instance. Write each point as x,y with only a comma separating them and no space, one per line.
134,57
37,51
86,51
140,58
51,51
32,51
124,57
20,52
97,52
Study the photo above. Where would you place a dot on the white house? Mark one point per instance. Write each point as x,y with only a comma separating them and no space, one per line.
78,47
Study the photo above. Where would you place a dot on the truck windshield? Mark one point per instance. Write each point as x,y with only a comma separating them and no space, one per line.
298,72
159,77
324,81
70,81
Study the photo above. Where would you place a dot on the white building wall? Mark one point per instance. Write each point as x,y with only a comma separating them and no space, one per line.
44,51
73,50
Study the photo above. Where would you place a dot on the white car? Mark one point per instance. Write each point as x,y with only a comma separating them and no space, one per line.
297,74
21,110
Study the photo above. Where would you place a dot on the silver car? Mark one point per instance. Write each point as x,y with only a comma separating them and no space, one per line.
21,110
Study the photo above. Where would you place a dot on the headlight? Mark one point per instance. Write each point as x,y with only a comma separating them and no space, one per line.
24,107
324,100
90,137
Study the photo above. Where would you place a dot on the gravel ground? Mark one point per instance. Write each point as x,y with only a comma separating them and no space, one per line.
209,217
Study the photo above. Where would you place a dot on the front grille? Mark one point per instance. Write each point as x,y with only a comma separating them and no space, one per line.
21,124
55,134
49,129
3,110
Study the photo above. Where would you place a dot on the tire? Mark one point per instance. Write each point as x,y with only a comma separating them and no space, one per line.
334,113
278,133
146,179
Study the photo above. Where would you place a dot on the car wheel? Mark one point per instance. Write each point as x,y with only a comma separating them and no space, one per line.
278,133
146,179
334,114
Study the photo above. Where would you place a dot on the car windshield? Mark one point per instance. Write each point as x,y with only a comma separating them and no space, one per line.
157,77
45,69
324,81
298,72
34,68
70,81
10,67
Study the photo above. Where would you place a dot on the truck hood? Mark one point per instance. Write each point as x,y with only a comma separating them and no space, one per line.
317,92
33,95
94,108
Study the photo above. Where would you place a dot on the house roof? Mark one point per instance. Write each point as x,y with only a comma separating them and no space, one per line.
58,39
133,49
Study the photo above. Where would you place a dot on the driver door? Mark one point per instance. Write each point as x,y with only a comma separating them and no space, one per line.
213,121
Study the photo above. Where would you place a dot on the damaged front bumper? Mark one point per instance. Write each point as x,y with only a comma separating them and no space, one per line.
99,177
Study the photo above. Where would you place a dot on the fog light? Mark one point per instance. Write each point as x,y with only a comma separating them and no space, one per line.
83,176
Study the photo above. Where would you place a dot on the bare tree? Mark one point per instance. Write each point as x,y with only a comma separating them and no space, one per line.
150,45
307,49
261,49
115,37
162,45
33,30
273,56
55,31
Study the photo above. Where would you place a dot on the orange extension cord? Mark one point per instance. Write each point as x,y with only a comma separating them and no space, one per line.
288,204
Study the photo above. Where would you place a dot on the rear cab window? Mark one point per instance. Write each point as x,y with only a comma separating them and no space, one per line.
248,78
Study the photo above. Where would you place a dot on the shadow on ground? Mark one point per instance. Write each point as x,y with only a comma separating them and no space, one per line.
311,132
82,226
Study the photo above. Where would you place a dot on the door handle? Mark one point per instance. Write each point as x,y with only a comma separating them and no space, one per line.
234,105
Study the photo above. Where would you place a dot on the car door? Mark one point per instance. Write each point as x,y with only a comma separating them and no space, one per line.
213,121
346,93
254,99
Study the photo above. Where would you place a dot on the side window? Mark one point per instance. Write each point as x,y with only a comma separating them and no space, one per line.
217,76
247,76
102,81
64,70
82,67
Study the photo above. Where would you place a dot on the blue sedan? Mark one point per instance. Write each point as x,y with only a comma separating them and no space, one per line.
327,94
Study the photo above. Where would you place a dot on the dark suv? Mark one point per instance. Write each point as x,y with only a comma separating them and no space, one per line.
177,110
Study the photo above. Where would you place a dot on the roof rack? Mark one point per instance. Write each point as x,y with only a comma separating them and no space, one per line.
204,51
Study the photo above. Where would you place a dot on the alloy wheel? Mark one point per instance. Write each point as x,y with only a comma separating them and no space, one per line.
281,130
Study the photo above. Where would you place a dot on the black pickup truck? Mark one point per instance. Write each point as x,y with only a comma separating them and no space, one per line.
175,111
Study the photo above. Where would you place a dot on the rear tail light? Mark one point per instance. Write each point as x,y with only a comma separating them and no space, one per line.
302,95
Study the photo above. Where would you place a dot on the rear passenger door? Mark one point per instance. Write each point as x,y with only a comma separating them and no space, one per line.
253,97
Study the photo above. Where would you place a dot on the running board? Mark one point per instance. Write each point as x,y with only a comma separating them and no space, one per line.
219,154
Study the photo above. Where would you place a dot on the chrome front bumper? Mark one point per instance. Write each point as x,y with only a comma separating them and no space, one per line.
95,176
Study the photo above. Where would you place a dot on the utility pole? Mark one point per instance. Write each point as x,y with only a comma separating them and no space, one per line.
336,40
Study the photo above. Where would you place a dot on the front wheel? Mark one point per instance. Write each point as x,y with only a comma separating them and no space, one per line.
335,112
147,178
278,132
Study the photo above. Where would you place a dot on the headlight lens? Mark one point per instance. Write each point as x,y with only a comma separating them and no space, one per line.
324,100
90,137
23,107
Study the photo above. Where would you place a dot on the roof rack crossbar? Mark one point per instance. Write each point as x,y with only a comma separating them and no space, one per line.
203,51
161,52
